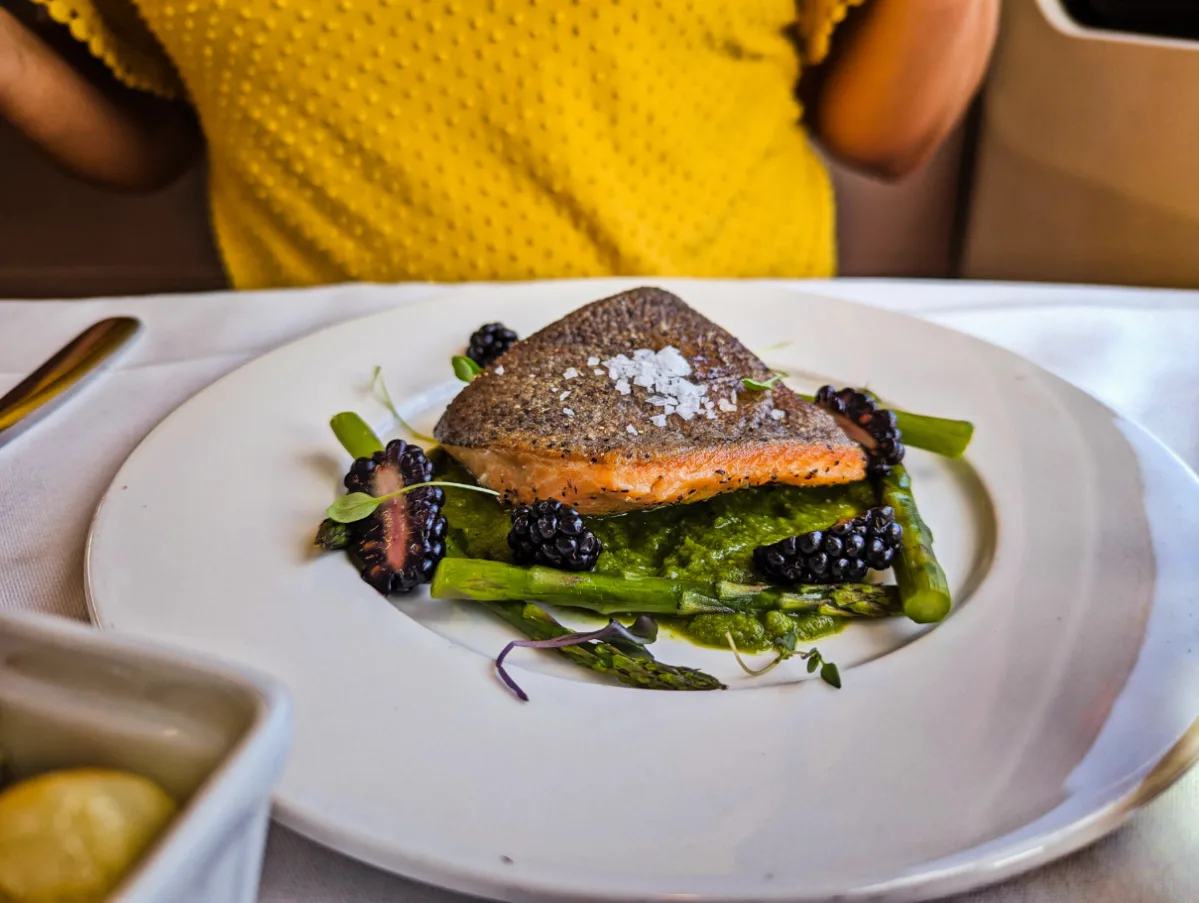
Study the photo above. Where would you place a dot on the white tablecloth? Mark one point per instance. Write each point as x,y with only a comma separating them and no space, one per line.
1134,349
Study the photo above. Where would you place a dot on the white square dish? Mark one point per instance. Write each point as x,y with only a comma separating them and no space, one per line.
214,737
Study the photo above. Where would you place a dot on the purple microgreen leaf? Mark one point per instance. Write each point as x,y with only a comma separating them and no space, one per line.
608,631
617,630
644,627
505,677
628,641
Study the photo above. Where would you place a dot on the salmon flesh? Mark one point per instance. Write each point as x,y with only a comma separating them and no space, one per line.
635,401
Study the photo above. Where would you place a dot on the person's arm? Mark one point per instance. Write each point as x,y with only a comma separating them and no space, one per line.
116,138
901,75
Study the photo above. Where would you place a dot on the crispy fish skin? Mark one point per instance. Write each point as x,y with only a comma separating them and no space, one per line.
511,429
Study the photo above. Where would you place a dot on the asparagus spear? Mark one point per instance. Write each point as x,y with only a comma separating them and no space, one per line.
332,536
360,441
606,594
922,584
605,658
355,436
846,600
935,434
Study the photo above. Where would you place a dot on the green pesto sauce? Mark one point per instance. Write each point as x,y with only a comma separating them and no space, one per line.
752,633
704,541
715,540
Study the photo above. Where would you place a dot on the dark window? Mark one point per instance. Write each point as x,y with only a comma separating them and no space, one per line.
1168,18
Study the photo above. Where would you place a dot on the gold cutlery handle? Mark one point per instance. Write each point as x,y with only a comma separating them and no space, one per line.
50,383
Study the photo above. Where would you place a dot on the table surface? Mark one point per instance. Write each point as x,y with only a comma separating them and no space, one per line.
1135,349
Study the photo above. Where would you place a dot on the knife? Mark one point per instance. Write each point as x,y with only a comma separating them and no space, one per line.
55,380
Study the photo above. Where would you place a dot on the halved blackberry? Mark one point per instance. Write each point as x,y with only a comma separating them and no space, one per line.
843,553
552,534
867,424
489,342
398,547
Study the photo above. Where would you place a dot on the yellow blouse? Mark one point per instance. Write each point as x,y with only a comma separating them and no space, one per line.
491,139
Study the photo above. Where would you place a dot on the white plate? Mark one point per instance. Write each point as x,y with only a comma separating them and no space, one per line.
1028,724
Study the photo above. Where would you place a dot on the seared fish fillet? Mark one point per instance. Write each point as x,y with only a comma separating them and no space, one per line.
633,401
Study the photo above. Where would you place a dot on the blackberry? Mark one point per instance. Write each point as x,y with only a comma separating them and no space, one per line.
550,533
489,342
854,543
399,546
843,553
867,424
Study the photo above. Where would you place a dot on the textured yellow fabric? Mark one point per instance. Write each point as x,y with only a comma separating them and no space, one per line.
121,40
818,19
495,139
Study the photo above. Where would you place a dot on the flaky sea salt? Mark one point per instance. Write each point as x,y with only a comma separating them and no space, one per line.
568,412
725,405
570,373
592,361
598,372
565,395
658,420
499,371
631,430
777,414
664,374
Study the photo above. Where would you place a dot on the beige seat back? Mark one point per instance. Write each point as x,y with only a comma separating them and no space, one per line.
1088,156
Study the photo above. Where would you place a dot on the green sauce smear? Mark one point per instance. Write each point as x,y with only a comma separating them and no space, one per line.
706,541
755,634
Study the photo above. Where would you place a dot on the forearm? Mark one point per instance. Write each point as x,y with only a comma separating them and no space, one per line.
117,141
901,78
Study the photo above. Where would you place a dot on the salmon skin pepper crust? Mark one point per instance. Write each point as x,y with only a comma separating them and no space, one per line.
636,401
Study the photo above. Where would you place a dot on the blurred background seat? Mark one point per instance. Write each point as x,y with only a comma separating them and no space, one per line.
62,238
1088,150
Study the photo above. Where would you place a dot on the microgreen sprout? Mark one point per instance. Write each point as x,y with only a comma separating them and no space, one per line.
354,506
379,387
777,346
641,632
786,649
757,385
465,368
